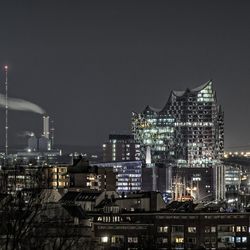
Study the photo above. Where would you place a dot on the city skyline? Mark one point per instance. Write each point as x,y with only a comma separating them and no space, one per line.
89,65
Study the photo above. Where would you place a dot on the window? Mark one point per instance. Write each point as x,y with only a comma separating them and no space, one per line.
179,240
238,239
177,228
213,229
165,240
132,240
238,229
117,239
162,240
244,239
192,229
163,229
104,239
244,228
192,240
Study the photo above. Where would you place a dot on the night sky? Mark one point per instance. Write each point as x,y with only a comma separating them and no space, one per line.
89,64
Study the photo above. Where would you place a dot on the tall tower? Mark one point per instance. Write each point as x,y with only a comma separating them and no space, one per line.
6,110
46,126
52,133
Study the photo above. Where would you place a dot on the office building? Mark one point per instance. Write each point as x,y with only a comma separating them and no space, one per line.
121,148
128,175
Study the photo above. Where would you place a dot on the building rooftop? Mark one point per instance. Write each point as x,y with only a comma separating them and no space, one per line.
73,196
194,90
121,137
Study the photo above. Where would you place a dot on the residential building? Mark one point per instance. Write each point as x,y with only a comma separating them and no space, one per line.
56,176
84,176
166,230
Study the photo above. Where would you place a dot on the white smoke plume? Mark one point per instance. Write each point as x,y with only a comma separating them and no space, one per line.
19,104
26,134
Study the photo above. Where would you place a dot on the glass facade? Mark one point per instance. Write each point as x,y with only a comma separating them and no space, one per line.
128,175
154,130
189,129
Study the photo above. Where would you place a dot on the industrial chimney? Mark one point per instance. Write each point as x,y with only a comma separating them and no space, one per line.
46,126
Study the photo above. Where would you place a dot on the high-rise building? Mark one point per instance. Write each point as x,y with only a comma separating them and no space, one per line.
121,147
189,129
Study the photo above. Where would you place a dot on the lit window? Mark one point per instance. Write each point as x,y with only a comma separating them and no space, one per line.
163,229
244,239
238,229
213,229
238,239
179,240
244,228
117,239
132,240
104,239
192,229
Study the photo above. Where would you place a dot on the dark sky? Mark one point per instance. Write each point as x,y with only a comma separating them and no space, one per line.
90,63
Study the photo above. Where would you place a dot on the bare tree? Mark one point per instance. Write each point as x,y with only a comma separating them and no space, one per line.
28,221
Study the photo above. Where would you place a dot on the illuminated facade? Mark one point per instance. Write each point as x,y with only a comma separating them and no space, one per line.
154,130
189,129
121,147
128,175
56,176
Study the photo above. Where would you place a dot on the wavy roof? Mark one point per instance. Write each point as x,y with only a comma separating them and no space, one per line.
194,90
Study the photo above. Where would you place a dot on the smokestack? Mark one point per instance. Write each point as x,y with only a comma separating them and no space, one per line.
52,133
46,126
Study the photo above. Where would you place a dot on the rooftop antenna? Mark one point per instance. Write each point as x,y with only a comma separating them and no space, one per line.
6,110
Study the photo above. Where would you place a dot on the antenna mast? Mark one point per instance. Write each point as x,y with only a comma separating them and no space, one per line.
6,110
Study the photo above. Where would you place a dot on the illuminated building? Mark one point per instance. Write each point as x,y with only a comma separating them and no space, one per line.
128,175
121,147
189,129
173,230
86,177
232,184
56,176
154,130
20,177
